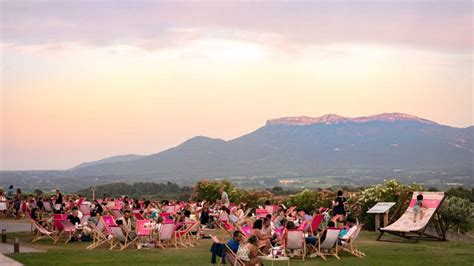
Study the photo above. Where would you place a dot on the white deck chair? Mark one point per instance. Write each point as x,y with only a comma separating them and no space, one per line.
119,238
295,239
329,246
165,236
349,243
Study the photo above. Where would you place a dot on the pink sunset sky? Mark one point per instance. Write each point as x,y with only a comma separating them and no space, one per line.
83,80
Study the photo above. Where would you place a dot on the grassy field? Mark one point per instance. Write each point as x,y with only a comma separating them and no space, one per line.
378,253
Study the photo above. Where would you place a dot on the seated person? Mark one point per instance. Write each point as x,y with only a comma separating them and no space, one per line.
264,240
73,217
130,234
249,252
313,240
351,224
235,241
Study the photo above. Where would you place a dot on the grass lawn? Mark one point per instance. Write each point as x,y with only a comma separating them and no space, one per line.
378,253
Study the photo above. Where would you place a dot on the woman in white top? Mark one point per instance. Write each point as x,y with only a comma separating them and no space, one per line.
3,203
249,252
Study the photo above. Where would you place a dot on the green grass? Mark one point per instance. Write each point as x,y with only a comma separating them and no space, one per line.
378,253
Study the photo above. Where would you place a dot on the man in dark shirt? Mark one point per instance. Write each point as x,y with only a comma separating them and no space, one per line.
73,218
235,241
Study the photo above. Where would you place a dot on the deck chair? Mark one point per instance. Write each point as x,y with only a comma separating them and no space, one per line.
121,239
85,208
271,208
303,226
47,206
329,246
295,239
404,227
42,232
117,213
290,210
183,236
68,230
85,218
349,243
261,213
232,258
315,223
166,235
144,231
99,237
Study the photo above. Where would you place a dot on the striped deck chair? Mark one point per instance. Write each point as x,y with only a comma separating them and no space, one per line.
121,239
42,232
329,246
166,235
349,243
295,240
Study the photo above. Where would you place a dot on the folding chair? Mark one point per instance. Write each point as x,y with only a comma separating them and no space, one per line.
295,239
329,244
42,232
166,235
349,243
119,238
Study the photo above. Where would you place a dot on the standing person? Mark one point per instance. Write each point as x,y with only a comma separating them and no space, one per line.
58,203
339,204
17,203
224,197
3,203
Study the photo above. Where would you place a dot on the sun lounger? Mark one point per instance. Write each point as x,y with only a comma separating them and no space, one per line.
405,227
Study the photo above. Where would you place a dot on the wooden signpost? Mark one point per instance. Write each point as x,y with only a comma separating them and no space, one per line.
380,209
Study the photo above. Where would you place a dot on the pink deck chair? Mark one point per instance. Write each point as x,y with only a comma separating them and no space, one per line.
261,213
85,208
303,225
295,239
315,223
42,232
47,206
144,230
166,234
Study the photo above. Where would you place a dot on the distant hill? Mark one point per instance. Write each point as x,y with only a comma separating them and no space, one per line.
113,159
299,146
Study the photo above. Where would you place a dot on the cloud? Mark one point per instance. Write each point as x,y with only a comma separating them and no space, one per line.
152,25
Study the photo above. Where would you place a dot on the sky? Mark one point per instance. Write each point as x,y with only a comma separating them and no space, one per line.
84,80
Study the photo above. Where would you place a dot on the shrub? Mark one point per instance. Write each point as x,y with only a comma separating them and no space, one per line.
311,199
209,190
457,214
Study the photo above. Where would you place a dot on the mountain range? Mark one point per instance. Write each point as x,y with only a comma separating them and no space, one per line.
301,146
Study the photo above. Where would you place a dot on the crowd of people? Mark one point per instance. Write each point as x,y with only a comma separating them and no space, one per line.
265,232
